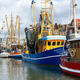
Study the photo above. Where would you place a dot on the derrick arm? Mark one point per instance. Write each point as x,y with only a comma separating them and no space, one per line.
52,16
15,28
34,14
11,28
19,31
23,44
7,26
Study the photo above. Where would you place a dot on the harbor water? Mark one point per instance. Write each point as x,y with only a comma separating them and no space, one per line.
16,69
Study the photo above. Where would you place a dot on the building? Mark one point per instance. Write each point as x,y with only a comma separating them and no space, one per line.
68,29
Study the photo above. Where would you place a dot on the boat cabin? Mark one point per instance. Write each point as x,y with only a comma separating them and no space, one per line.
50,42
75,47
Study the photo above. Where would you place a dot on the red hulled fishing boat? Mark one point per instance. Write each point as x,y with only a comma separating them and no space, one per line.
71,64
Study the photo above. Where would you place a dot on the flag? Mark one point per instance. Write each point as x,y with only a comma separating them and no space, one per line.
2,28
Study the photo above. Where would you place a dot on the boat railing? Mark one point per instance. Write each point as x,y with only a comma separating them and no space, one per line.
71,59
75,35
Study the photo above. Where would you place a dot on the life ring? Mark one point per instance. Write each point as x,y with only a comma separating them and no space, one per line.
72,53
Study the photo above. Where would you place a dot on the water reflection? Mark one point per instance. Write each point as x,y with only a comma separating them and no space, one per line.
16,69
65,76
38,72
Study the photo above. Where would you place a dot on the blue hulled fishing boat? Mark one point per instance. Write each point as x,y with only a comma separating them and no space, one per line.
43,46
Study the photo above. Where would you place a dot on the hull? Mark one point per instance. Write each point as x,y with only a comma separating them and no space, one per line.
50,57
4,55
16,55
70,67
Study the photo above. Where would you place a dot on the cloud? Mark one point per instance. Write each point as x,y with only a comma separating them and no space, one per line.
23,9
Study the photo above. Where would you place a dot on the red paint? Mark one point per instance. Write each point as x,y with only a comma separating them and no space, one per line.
78,22
70,65
16,53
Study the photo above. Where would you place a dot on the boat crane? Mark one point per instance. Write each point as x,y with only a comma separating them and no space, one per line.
34,13
19,31
2,31
11,28
15,30
12,38
8,28
47,17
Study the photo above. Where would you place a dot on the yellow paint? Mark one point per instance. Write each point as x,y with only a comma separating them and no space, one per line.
15,29
8,28
11,28
43,46
27,51
52,17
19,32
34,16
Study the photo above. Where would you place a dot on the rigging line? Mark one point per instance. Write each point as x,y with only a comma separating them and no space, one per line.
38,7
76,11
21,32
31,15
69,14
56,18
71,9
57,14
38,11
28,17
68,17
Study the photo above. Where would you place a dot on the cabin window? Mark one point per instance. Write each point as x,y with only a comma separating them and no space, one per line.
49,43
77,44
47,28
74,44
39,43
58,43
71,44
62,43
54,43
45,43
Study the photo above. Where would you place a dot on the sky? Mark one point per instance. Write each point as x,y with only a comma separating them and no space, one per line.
22,8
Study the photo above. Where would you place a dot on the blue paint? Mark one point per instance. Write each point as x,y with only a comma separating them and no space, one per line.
15,56
36,58
53,38
51,3
32,1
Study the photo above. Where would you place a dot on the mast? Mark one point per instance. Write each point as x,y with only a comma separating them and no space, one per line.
11,28
52,16
8,27
2,32
15,29
34,14
19,32
74,15
46,24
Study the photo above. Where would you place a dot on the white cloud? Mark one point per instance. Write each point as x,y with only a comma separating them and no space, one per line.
22,8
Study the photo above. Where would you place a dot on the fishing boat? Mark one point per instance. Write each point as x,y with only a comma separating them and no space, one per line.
15,54
71,64
43,46
14,51
4,54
